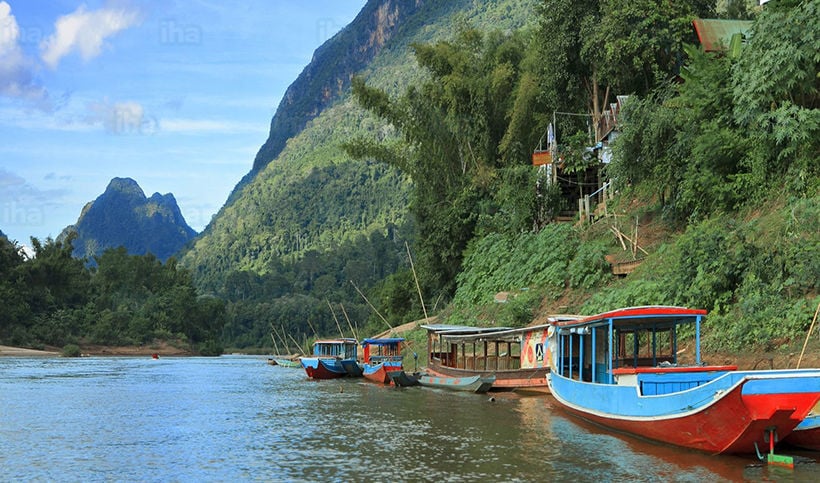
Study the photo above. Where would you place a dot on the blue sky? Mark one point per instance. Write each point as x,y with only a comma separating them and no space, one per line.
177,95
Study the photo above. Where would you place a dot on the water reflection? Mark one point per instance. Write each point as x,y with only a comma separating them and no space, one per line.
237,418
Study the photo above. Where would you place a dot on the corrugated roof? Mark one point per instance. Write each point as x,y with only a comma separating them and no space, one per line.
716,34
461,329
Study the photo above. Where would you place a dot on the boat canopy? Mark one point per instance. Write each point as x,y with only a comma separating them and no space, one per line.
383,341
593,348
504,334
346,340
335,347
645,316
445,329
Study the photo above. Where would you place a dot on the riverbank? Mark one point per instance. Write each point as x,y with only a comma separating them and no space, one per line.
22,352
161,349
785,358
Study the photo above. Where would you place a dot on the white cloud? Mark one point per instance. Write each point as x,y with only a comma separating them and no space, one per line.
85,32
121,117
16,70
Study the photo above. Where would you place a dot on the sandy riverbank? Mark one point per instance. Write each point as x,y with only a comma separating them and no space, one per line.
98,350
21,352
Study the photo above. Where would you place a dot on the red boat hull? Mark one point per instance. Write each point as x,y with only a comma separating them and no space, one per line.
732,425
320,371
380,375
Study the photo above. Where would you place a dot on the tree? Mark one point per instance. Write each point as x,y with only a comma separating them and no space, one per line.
54,278
591,50
777,96
451,127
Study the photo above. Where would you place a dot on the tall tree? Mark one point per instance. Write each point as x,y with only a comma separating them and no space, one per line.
451,126
777,96
594,49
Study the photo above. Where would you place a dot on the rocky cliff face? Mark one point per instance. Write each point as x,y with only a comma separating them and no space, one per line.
328,75
123,216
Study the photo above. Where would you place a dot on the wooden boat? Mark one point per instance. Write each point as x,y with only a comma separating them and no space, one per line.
476,384
285,362
352,367
807,433
381,356
328,358
402,379
514,356
620,369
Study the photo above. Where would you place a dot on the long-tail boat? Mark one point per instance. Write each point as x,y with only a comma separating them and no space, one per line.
403,379
476,384
516,357
329,357
286,361
381,356
620,369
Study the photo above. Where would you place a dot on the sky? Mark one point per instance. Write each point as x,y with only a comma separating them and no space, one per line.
177,95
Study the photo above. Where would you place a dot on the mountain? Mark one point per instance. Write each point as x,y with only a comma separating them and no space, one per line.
328,75
123,216
304,193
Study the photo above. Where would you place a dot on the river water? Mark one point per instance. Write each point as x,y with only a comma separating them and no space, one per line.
235,418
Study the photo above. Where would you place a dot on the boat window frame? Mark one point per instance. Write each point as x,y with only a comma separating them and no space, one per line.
616,328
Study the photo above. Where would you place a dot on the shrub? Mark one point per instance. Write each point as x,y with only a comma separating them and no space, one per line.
211,348
71,350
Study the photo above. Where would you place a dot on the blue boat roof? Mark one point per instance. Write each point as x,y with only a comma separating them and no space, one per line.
383,341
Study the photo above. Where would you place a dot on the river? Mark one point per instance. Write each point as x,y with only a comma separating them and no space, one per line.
235,418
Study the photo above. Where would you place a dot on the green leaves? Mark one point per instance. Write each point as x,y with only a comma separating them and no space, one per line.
498,263
126,299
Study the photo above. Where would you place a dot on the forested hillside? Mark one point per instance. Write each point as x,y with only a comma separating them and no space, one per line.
312,219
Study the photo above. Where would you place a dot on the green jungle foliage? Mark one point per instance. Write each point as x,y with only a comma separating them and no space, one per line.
57,300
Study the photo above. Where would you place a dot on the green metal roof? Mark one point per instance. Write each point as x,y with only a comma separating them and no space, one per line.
716,35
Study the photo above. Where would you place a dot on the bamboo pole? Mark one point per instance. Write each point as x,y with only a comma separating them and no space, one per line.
371,305
416,278
805,343
355,335
315,334
437,301
284,340
620,233
299,348
335,319
275,345
618,236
